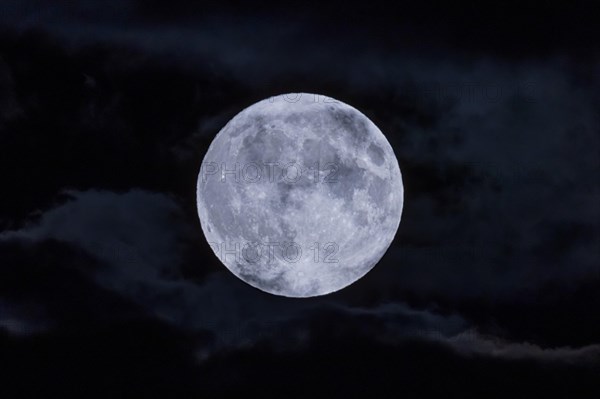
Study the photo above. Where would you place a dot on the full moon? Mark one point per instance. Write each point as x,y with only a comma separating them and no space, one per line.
300,195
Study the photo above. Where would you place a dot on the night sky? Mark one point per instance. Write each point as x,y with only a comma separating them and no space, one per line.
108,288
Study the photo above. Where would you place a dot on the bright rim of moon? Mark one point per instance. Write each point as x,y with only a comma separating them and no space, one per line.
300,195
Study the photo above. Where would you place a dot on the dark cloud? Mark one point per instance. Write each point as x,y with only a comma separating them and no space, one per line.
142,265
132,357
511,28
48,285
116,134
135,242
137,233
348,364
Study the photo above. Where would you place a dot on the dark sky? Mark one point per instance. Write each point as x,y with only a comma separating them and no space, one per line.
491,287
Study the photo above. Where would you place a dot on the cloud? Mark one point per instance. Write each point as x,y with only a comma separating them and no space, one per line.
135,233
9,105
471,342
499,162
126,239
137,239
17,319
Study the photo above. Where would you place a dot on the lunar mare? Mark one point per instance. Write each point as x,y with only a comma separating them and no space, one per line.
300,195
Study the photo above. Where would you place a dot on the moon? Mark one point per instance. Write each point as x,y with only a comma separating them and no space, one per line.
300,195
